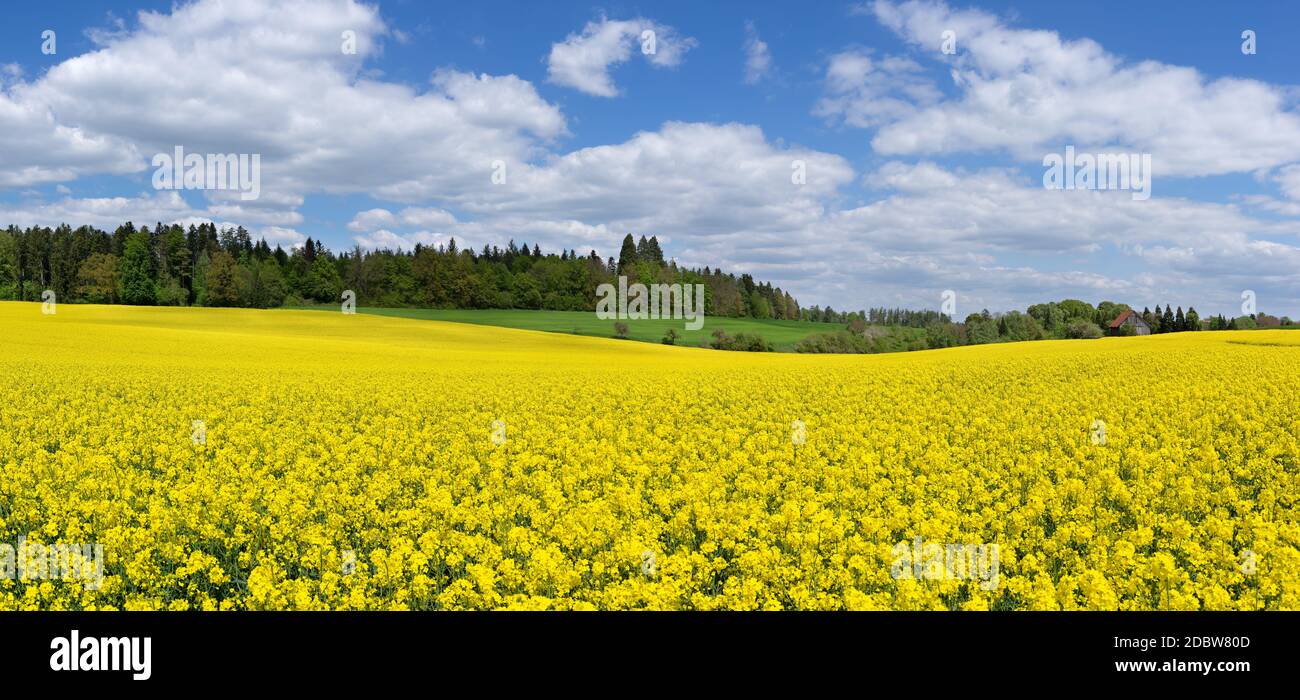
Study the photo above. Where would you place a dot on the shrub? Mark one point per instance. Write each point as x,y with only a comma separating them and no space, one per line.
670,338
1083,329
745,342
620,329
843,342
941,335
752,342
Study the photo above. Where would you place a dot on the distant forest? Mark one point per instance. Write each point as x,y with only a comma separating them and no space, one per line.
892,330
199,265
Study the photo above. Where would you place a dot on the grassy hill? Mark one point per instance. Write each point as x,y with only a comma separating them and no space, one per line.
782,334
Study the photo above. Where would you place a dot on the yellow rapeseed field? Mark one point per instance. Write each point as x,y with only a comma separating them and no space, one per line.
239,459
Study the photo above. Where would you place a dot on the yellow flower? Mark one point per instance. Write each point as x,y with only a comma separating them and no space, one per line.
230,459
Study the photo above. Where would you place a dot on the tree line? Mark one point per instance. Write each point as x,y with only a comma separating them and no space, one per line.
200,265
895,330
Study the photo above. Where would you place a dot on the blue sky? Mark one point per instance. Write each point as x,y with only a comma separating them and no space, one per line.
923,168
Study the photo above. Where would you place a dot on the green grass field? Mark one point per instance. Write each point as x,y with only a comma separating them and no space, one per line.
781,334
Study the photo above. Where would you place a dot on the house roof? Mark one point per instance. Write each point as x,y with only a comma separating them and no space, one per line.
1119,320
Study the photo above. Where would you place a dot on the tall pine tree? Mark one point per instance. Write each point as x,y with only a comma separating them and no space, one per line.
627,256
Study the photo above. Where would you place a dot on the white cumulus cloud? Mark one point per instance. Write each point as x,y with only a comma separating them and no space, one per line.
583,60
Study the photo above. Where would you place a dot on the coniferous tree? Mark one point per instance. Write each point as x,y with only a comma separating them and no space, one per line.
654,252
119,238
627,256
135,281
324,284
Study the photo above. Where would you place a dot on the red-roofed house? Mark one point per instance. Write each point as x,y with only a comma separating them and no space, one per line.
1130,319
